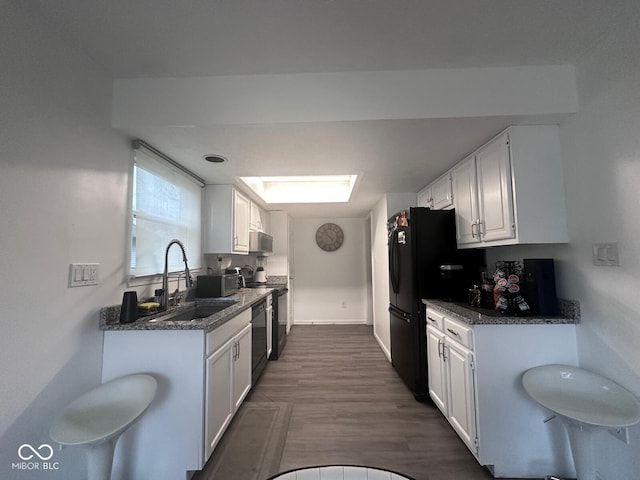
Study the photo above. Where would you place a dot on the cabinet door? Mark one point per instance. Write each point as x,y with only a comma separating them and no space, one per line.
424,198
495,197
436,368
241,216
255,225
218,402
463,178
441,194
242,366
461,400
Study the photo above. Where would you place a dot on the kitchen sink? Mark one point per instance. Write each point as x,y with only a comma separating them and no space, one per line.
195,313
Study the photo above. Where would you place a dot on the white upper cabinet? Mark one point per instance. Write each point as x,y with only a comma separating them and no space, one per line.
241,221
437,195
441,193
227,217
483,196
495,204
256,223
424,197
465,201
511,190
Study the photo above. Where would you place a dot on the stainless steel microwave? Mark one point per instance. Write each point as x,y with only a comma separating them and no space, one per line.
261,243
210,286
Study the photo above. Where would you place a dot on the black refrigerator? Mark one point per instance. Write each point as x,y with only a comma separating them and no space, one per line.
419,240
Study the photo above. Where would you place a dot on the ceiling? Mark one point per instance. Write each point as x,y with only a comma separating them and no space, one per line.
165,38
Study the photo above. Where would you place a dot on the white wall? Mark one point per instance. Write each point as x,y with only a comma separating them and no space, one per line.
380,276
388,205
338,96
63,199
322,281
601,156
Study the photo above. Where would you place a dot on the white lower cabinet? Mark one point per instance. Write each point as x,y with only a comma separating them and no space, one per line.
202,380
228,380
451,379
219,404
437,373
242,366
475,379
459,375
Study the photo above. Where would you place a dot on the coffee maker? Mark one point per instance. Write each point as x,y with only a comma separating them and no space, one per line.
453,282
539,286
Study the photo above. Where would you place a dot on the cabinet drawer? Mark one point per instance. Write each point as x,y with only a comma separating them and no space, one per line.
219,336
460,333
435,319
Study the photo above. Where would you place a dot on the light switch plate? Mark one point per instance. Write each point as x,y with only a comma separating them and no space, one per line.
605,254
81,274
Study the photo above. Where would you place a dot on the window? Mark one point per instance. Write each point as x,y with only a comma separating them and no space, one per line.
166,204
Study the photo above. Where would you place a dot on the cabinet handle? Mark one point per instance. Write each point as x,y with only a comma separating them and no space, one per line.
453,332
235,345
444,352
482,232
238,350
431,319
440,344
473,229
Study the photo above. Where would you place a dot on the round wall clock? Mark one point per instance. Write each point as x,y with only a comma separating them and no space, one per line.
329,237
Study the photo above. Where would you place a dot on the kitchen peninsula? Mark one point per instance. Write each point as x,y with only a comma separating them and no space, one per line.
475,364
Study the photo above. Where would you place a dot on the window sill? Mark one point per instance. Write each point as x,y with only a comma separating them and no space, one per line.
146,280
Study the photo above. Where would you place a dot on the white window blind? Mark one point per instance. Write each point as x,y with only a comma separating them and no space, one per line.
166,204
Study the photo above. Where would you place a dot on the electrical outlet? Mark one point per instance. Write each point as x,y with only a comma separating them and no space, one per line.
81,274
621,433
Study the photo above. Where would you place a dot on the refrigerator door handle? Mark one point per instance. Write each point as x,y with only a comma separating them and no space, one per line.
399,314
393,260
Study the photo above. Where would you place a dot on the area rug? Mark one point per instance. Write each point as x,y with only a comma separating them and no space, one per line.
252,446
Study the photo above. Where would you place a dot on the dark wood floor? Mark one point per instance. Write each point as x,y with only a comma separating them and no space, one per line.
350,407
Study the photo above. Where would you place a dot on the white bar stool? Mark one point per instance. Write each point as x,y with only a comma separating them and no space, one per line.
96,420
586,403
340,472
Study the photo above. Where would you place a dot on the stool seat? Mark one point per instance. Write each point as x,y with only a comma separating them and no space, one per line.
95,420
586,403
341,472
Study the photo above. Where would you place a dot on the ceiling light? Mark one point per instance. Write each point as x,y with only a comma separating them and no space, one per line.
215,158
303,189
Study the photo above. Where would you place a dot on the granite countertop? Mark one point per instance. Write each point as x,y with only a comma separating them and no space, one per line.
246,297
275,286
569,313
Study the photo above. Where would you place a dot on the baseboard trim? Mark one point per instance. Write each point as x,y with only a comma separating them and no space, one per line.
331,322
383,347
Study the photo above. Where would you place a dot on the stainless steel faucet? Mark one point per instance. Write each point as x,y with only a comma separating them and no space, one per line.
165,276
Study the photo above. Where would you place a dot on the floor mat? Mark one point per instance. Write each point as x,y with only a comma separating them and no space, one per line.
252,446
